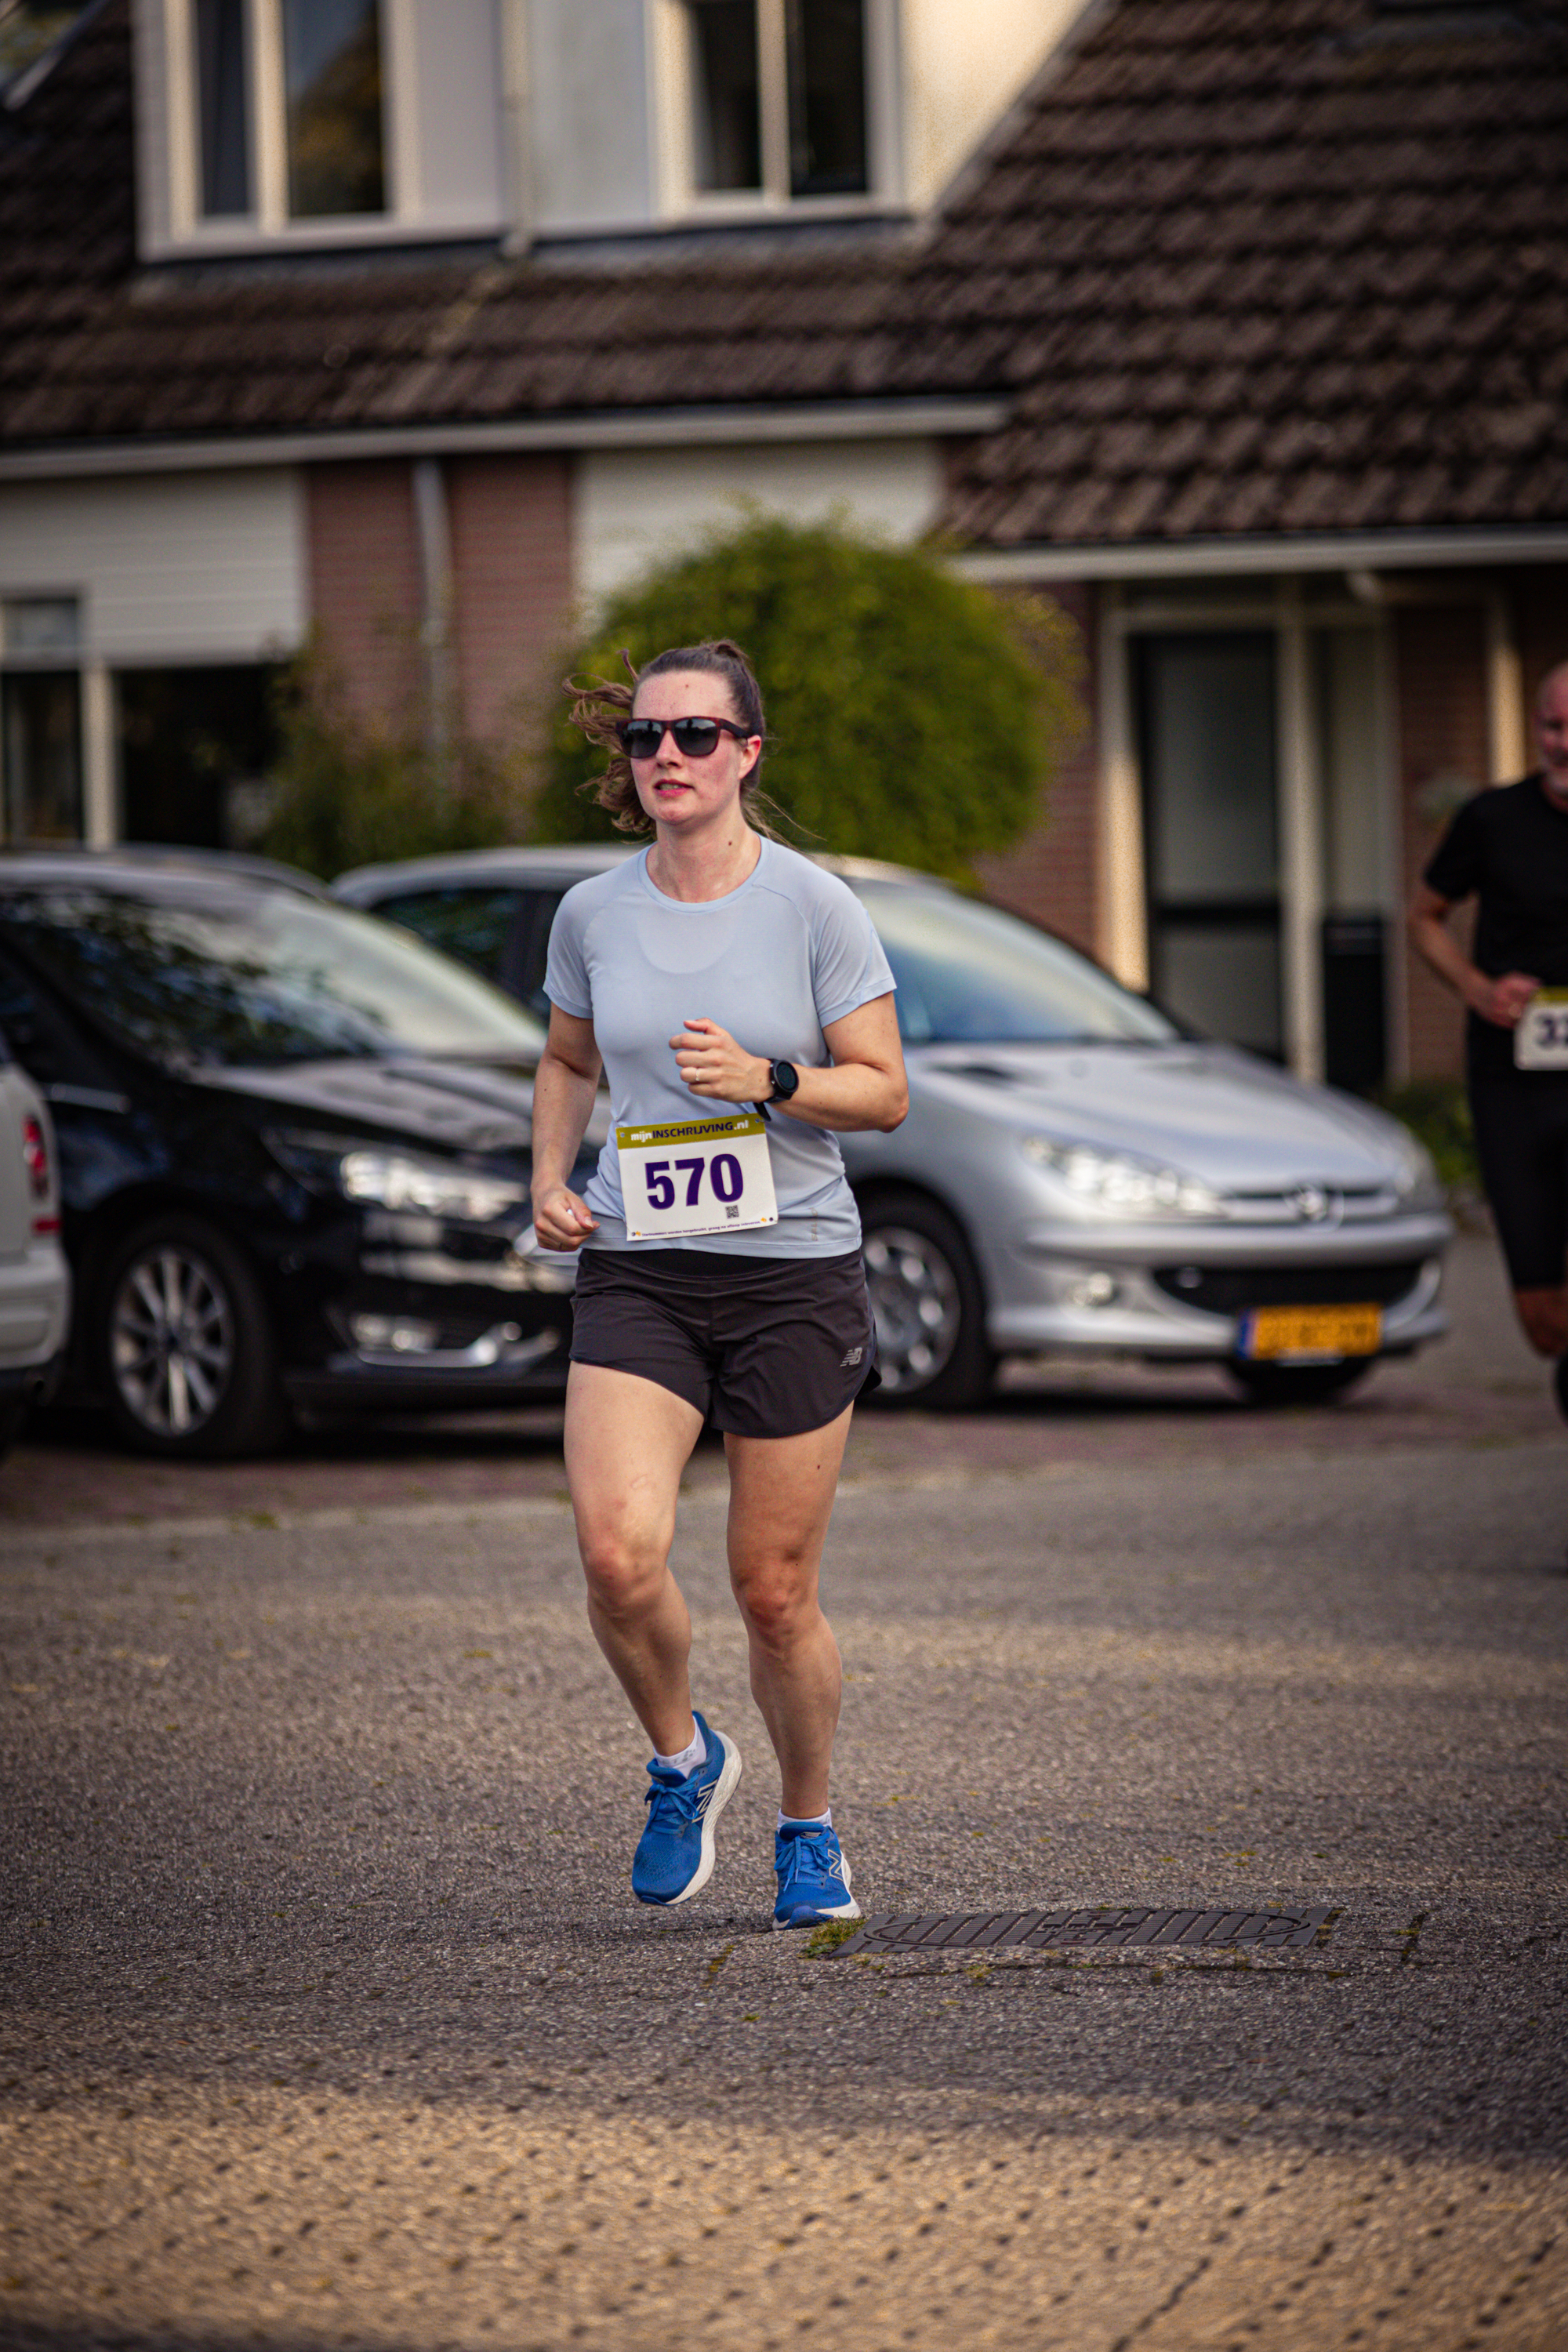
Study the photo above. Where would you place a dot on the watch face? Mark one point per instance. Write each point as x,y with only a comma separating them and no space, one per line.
787,1078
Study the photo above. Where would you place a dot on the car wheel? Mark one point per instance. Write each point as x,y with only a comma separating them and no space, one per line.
1280,1384
929,1307
184,1345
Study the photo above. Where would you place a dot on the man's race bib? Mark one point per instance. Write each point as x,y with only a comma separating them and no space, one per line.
701,1176
1541,1035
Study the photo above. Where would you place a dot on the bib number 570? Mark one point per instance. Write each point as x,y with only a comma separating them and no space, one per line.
723,1170
696,1176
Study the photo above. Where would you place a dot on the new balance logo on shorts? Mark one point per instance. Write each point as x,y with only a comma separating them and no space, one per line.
851,1360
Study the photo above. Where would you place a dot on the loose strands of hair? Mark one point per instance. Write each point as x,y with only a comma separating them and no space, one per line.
600,704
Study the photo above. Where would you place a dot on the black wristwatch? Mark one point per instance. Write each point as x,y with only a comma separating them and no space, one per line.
785,1078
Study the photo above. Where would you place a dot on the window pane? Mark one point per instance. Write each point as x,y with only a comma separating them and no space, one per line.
1211,812
1354,797
39,624
43,764
536,956
726,130
1209,762
473,926
221,98
332,64
28,28
195,746
1222,978
972,975
266,977
827,96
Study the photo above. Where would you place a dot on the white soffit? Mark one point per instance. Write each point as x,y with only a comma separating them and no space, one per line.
647,429
1213,559
201,568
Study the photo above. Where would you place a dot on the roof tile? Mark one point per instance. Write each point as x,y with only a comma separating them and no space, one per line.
1238,265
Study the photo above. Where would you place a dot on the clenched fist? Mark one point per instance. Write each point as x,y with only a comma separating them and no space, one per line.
712,1065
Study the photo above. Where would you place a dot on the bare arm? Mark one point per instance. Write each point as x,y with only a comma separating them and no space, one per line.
865,1088
564,1090
1500,1000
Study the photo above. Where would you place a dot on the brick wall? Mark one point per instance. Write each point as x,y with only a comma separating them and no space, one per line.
364,557
511,563
1050,875
1440,674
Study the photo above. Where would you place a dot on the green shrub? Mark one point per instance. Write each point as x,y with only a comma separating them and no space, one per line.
1437,1115
911,716
348,792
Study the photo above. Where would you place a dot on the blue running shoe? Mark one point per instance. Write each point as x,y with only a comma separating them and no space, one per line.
813,1879
675,1853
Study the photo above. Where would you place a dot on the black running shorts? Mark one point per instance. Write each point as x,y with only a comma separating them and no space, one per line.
1522,1141
764,1346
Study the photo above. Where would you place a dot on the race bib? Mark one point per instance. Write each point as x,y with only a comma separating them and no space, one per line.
1541,1035
701,1176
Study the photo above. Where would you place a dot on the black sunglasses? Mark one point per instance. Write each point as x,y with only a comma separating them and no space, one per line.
695,739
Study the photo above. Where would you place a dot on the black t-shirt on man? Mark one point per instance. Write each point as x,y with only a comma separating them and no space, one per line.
1509,847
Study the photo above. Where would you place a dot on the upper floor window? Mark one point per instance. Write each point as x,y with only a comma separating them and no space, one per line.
29,31
310,122
289,107
223,107
331,56
777,98
825,55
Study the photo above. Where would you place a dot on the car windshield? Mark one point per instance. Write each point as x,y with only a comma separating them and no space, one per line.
969,975
248,977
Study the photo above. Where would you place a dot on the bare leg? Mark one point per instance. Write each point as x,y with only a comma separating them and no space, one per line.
781,1500
1544,1314
627,1441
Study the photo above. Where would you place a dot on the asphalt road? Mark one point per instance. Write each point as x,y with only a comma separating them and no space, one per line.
328,2019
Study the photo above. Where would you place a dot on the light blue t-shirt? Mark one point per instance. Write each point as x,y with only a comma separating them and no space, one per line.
772,962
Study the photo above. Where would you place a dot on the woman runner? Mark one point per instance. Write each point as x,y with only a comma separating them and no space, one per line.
720,1275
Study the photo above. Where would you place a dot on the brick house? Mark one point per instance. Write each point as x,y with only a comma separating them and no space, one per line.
1239,325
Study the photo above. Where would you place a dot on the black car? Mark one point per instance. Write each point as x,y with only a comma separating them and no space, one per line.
294,1146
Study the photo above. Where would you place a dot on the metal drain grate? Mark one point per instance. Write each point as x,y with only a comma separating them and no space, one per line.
1107,1927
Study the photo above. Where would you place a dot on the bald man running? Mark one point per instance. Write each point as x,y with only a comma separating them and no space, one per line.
1507,848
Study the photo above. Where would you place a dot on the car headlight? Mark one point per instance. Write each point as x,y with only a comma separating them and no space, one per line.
395,1180
1418,1182
386,1178
1121,1183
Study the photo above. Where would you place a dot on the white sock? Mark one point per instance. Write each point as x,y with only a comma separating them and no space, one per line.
807,1820
689,1758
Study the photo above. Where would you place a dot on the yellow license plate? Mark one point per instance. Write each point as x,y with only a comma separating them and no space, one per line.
1322,1331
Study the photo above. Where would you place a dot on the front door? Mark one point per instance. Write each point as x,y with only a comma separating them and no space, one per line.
1208,725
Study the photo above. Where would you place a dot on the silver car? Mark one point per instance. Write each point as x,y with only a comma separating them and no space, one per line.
1076,1174
34,1280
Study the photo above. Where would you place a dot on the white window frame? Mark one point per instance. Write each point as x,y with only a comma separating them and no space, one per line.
268,221
679,198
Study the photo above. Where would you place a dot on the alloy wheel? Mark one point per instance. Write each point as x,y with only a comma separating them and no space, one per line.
917,1304
171,1340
